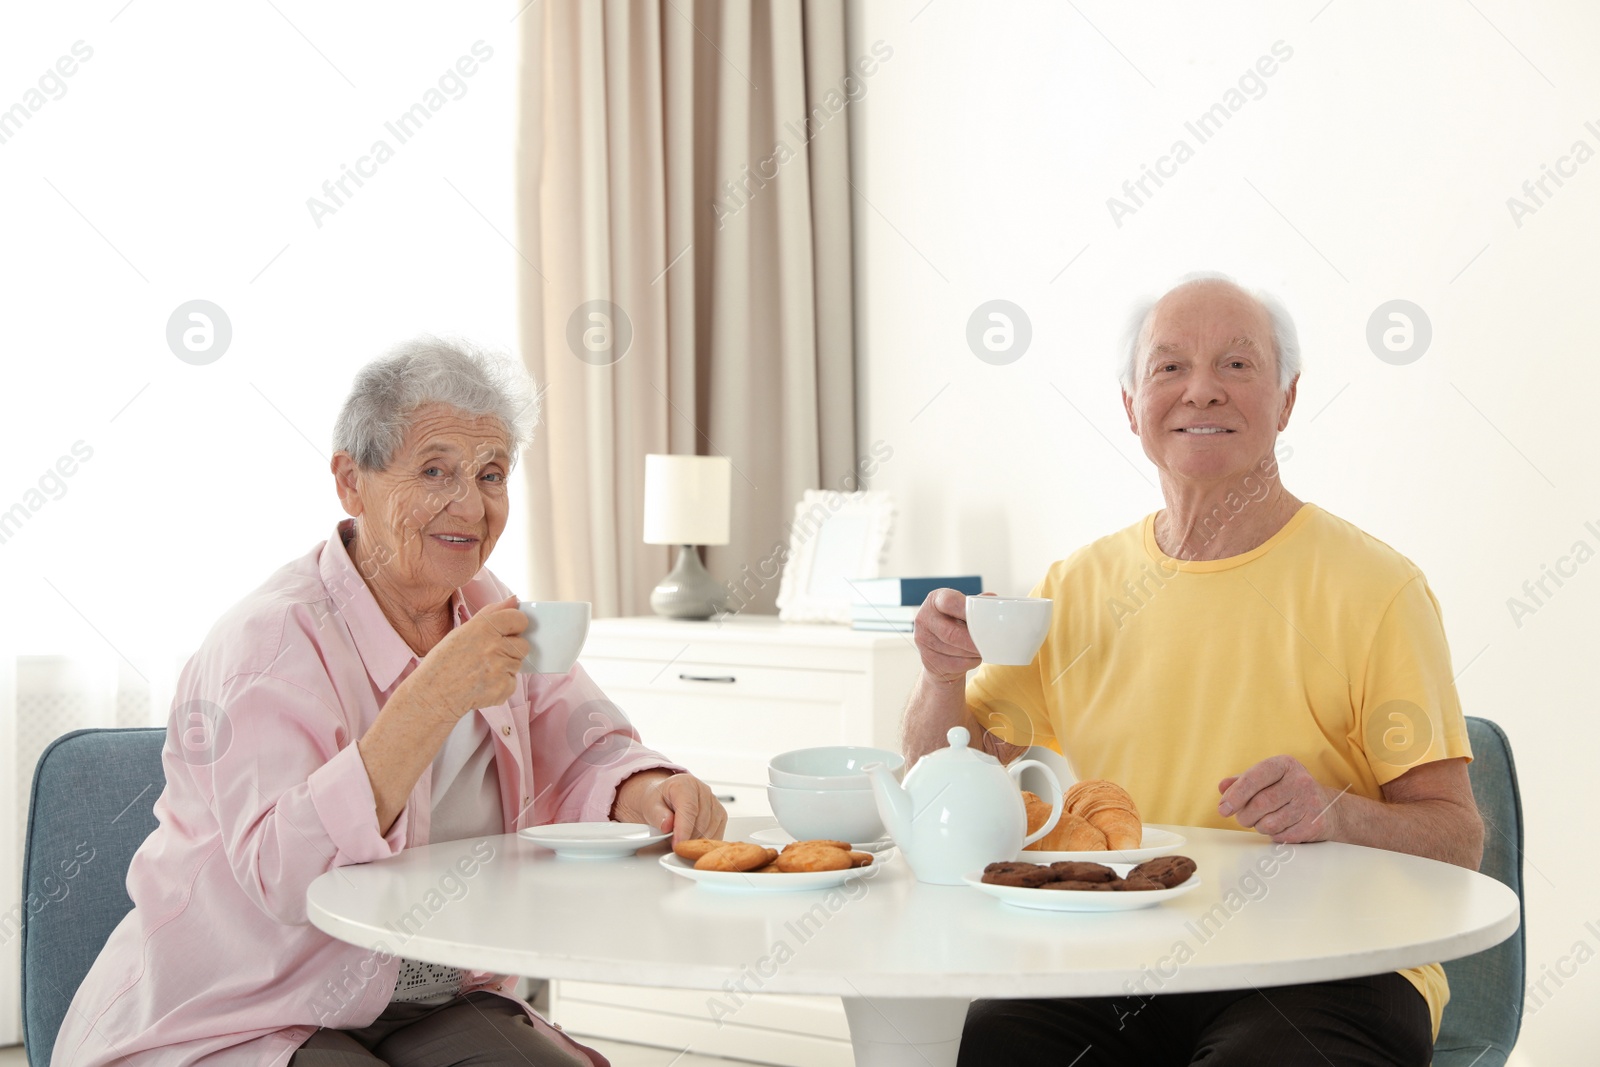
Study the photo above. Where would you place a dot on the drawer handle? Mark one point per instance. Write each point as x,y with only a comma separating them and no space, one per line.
728,798
726,679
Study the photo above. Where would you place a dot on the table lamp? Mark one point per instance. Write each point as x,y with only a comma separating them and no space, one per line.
686,502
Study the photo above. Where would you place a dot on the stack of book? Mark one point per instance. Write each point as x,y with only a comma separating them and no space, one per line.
892,603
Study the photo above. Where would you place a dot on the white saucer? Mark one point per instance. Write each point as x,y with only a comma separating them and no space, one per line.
1081,900
777,837
775,882
1156,842
593,840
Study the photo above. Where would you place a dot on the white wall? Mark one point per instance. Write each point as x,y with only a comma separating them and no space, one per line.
1375,165
177,163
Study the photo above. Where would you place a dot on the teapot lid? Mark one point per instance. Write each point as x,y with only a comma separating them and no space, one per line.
959,749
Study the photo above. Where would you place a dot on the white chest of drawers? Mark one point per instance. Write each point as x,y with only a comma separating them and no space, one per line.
722,699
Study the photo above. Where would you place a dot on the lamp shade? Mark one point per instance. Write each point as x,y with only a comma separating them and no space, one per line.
686,499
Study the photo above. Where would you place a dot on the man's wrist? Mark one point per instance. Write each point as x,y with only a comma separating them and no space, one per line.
954,683
1333,823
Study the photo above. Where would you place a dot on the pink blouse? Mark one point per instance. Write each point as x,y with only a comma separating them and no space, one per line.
217,963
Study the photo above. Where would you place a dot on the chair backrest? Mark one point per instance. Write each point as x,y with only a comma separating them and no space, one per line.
1481,1021
94,792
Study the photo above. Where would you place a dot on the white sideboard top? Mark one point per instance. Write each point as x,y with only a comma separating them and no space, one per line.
748,629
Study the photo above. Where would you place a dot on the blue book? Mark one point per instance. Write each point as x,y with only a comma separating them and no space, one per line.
911,591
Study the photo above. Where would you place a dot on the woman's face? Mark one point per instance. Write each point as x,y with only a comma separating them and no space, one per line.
430,519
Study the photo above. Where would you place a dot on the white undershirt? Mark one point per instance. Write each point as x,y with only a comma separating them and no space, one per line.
466,803
466,786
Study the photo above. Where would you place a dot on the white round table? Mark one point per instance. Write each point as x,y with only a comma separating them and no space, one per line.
907,957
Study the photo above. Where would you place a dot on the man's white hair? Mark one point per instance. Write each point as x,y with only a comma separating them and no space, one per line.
428,370
1285,339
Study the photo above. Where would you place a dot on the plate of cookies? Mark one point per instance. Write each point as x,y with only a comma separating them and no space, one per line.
747,865
1081,886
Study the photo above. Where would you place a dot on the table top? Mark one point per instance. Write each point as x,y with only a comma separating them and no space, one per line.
1265,915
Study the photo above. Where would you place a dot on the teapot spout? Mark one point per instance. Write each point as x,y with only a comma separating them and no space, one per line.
894,803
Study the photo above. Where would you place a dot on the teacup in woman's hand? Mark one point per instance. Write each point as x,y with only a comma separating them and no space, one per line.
556,632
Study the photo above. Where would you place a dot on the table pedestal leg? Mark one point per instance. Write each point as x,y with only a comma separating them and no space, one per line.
905,1031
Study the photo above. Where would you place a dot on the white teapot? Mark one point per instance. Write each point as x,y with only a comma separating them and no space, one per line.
959,810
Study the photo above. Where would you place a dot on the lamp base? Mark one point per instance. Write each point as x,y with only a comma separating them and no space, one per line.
688,592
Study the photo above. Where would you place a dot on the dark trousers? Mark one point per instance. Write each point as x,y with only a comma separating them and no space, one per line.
479,1029
1379,1020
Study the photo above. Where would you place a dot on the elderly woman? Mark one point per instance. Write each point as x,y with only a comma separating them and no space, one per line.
1239,659
364,700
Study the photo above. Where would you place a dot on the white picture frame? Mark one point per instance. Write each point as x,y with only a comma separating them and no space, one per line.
834,539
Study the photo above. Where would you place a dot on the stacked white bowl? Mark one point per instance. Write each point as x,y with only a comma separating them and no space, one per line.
825,792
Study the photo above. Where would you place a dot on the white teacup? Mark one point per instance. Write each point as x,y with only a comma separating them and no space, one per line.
1008,630
556,631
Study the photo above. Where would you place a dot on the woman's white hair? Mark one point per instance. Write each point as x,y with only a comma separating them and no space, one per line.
428,370
1285,339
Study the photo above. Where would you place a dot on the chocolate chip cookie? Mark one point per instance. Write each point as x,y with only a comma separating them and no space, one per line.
1169,871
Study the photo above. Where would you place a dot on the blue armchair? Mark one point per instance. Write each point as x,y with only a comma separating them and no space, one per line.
1481,1021
94,792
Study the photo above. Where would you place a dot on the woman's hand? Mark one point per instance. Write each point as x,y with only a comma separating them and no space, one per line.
681,803
476,664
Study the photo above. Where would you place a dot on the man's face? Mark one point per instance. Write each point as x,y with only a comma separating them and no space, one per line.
1206,403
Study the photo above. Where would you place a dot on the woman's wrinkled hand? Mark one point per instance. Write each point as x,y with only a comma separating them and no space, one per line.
476,664
680,803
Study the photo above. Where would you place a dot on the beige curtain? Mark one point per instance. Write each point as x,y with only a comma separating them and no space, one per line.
687,164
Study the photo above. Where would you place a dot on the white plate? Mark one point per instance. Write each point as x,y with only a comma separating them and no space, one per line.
593,840
1082,900
1155,842
777,837
774,882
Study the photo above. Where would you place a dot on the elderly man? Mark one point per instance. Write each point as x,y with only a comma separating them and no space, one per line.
1238,659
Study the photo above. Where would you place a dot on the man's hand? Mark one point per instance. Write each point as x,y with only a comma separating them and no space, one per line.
941,636
680,803
1279,798
1427,811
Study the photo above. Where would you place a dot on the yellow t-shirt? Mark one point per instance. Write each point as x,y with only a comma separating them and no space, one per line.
1167,675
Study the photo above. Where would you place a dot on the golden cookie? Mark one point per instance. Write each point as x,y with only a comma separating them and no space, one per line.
695,847
815,858
736,856
861,859
819,841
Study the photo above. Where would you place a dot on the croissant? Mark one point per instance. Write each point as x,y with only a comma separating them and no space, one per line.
1108,808
1071,834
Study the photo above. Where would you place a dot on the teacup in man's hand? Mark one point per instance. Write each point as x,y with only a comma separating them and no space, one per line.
941,636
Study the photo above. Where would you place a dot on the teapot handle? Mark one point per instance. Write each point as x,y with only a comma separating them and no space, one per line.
1055,788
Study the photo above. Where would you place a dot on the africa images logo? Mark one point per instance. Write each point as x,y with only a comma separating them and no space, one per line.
1398,733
